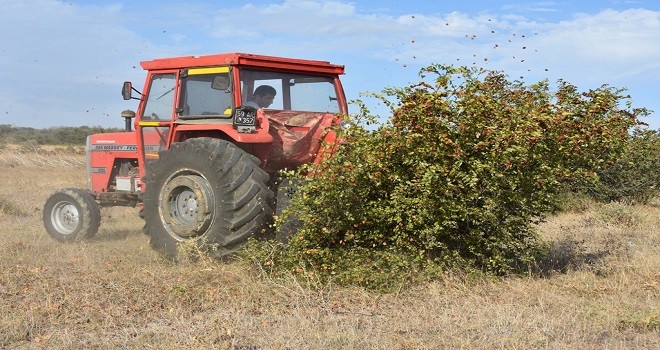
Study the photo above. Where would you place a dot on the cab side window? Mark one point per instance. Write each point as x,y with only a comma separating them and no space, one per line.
160,101
204,95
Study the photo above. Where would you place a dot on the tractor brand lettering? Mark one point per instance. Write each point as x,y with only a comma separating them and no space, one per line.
99,170
115,148
152,148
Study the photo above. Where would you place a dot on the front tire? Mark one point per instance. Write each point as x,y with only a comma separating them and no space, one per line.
71,214
208,192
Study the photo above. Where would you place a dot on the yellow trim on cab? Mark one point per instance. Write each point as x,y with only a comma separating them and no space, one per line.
152,155
149,123
197,71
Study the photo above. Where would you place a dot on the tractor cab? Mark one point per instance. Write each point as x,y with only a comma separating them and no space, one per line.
214,95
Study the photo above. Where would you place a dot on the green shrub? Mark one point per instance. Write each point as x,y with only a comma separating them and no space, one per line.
634,177
455,179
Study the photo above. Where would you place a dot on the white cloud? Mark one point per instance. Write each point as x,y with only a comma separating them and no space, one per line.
63,64
543,6
300,19
323,9
621,44
611,35
621,48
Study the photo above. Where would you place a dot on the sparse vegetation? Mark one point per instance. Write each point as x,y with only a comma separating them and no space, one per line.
47,156
9,208
618,214
599,288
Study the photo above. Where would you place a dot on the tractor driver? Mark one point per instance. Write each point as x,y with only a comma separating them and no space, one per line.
262,97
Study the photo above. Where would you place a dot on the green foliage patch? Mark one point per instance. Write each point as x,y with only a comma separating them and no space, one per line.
457,178
633,178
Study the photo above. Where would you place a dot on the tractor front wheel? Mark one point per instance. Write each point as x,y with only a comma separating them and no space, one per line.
71,214
208,192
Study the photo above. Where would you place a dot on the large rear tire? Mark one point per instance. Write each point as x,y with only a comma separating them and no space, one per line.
71,214
208,192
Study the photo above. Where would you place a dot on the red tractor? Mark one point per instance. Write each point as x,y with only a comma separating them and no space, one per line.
210,135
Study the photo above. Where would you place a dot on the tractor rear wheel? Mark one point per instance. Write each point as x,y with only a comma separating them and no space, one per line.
71,214
208,192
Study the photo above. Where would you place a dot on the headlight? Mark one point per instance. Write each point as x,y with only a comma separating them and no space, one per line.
345,124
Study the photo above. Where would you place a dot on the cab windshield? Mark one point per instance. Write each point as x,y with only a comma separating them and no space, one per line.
296,92
205,92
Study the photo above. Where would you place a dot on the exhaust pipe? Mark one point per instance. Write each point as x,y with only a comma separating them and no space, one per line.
128,115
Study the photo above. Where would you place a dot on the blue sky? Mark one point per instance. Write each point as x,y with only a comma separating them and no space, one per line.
63,62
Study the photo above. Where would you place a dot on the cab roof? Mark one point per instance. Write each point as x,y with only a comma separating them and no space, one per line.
244,60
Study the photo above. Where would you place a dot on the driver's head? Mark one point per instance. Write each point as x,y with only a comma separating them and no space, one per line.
264,95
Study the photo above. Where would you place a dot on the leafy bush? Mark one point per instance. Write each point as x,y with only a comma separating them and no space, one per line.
634,177
456,178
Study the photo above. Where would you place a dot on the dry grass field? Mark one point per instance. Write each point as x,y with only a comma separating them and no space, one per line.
599,289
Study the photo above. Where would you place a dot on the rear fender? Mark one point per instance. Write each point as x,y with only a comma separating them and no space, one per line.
257,143
188,129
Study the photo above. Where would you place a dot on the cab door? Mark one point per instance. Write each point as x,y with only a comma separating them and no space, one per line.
156,115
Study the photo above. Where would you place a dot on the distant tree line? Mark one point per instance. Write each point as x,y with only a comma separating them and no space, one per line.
65,136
